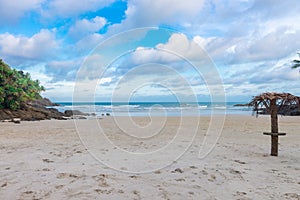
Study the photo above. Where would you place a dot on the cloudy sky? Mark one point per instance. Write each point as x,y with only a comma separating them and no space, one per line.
249,43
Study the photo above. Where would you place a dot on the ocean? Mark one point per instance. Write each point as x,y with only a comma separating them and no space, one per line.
156,108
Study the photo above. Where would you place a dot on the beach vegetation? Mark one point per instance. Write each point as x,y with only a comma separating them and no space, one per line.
17,87
296,62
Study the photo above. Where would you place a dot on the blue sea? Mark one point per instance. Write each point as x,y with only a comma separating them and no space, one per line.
156,108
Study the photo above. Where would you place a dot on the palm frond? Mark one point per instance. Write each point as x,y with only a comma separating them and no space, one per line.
296,65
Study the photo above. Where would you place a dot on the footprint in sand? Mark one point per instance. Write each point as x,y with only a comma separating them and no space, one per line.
177,170
137,194
237,173
164,193
133,176
101,179
28,192
212,178
104,191
292,196
58,187
240,195
204,172
180,179
241,162
121,191
47,160
232,171
191,193
66,175
4,185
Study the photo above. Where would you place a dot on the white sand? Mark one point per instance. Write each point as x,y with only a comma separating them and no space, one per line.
46,160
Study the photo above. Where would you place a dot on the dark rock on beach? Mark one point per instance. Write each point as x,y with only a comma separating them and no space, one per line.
240,104
31,111
70,113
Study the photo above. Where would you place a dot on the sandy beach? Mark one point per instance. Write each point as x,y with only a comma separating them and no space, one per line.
47,160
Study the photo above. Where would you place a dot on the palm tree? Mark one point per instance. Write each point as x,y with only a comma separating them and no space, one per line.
296,63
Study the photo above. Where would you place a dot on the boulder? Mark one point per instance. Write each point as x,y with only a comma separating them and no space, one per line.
16,120
69,113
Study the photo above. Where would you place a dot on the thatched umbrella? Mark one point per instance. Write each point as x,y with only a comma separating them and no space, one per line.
273,103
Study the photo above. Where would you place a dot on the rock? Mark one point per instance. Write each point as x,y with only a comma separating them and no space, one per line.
16,120
78,117
240,104
69,113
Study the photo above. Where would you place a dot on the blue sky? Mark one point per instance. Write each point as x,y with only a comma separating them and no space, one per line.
251,44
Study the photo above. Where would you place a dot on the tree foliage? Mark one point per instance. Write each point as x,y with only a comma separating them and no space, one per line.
296,63
17,87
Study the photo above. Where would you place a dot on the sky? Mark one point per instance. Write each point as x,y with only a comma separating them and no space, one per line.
153,50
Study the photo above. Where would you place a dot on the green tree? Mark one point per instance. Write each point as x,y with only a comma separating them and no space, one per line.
296,63
17,87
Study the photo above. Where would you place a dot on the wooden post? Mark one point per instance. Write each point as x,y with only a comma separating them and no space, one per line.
274,127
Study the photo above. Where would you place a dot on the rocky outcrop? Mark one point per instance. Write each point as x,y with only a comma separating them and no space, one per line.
40,110
34,110
42,103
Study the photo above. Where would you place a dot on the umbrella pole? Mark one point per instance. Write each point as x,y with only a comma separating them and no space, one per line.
274,128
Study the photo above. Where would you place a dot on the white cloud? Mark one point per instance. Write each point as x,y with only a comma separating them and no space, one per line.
83,27
255,47
145,13
149,12
152,55
12,10
37,47
59,91
273,46
87,43
183,47
177,48
63,70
